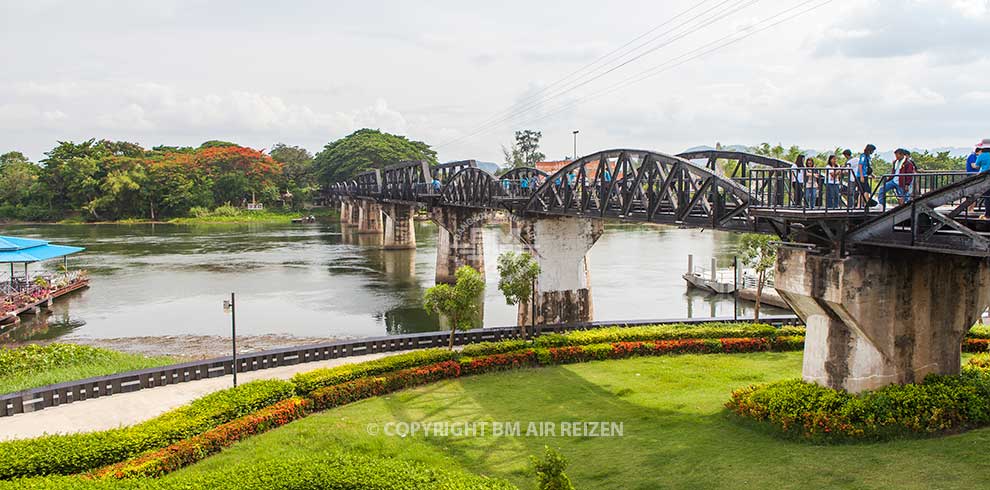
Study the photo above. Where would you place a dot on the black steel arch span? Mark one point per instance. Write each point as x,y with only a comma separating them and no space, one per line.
472,187
645,186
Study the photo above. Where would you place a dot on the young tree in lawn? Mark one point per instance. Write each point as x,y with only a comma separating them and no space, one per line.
760,253
517,273
459,303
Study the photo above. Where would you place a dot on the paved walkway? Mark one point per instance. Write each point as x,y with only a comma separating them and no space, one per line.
137,406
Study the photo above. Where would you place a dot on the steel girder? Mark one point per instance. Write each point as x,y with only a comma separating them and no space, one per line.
472,187
406,181
646,186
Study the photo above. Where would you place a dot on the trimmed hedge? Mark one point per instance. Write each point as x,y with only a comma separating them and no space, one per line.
941,404
657,332
188,451
351,391
319,378
330,470
488,348
75,453
979,332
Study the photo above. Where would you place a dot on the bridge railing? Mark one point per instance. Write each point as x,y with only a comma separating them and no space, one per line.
817,189
837,190
889,187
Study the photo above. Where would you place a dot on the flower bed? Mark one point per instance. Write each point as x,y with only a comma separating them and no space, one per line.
75,453
182,453
657,332
318,378
941,404
351,391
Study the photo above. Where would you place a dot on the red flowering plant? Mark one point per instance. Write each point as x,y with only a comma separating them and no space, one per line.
188,451
498,362
358,389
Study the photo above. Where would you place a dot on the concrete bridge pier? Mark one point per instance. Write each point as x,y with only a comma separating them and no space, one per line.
345,212
563,288
400,229
459,240
893,316
369,217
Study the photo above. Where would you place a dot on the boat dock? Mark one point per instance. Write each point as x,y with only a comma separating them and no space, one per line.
25,293
711,280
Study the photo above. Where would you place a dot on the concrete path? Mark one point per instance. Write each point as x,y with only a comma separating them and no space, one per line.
137,406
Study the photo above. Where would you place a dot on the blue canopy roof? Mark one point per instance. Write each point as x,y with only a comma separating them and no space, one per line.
22,250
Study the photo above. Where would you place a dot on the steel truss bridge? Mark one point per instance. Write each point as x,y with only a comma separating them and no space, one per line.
714,189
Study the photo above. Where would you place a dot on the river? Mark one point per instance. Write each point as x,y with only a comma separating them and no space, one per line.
313,282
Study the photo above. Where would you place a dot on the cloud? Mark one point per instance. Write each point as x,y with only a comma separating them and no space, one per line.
944,31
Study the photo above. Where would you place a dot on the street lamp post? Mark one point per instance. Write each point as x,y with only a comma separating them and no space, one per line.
575,133
230,307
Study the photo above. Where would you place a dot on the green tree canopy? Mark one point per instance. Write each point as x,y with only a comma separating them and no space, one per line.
459,303
525,150
516,273
367,149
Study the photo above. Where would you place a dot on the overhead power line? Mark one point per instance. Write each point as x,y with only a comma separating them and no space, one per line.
701,51
534,101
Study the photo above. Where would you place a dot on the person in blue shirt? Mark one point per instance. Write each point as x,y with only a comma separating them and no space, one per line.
862,170
983,163
436,185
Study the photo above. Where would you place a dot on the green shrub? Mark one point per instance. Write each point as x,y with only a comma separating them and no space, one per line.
979,332
791,331
657,332
329,470
199,212
806,410
550,471
488,348
318,378
979,361
74,453
226,210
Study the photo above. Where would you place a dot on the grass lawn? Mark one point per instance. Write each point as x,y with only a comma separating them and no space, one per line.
676,433
33,366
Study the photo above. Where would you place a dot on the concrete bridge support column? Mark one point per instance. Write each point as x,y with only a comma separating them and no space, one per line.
400,230
459,240
563,288
894,316
354,208
370,217
345,212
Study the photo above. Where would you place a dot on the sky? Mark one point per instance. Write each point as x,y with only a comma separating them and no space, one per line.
909,73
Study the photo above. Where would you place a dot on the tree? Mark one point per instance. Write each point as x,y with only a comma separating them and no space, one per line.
938,161
524,152
759,252
367,149
550,471
17,178
216,144
517,273
298,172
459,303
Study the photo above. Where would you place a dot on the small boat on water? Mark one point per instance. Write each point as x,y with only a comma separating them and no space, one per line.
305,220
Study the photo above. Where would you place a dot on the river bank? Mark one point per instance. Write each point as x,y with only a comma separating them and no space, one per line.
245,217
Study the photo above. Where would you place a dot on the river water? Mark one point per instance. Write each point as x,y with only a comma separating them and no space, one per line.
312,281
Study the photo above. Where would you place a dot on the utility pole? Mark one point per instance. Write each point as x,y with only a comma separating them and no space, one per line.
230,307
575,133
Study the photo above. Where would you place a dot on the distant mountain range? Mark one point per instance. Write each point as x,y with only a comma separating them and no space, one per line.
886,155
